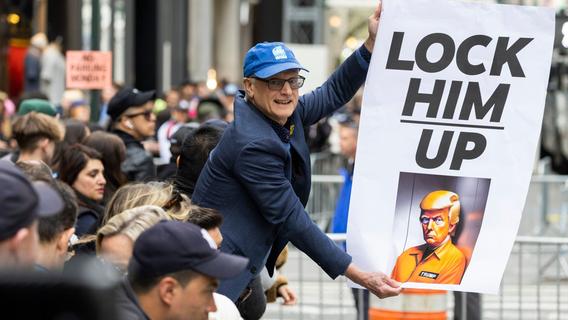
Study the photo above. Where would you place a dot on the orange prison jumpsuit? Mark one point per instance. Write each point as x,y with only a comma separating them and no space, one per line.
445,265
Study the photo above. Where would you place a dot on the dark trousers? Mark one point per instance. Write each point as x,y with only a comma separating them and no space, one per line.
472,304
252,303
361,303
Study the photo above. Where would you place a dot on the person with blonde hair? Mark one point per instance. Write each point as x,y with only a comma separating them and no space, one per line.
115,244
115,239
160,194
5,125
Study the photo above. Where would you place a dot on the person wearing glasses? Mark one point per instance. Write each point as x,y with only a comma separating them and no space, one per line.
438,260
258,176
133,121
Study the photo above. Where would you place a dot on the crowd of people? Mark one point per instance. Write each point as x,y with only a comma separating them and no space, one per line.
178,191
113,183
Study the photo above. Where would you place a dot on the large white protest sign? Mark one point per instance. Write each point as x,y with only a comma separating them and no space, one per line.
451,116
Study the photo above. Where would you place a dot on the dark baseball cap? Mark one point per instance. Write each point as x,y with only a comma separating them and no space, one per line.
216,123
269,58
172,246
180,134
22,201
126,98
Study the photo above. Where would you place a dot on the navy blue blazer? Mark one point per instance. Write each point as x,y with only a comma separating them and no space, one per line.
248,178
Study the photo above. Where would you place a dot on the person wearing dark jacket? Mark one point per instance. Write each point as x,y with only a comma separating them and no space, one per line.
258,176
177,280
81,168
133,121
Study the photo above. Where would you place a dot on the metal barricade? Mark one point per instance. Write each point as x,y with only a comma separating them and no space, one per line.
533,285
323,198
527,292
546,208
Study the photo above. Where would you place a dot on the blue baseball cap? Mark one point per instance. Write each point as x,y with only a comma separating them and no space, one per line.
269,58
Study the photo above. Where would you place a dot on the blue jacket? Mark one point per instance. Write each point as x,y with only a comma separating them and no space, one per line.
339,222
248,178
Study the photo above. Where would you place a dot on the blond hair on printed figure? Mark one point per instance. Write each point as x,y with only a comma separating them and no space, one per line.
441,199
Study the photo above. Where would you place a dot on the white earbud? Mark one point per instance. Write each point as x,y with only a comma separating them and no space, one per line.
129,125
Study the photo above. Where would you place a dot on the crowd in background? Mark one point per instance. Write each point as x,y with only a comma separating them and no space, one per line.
132,167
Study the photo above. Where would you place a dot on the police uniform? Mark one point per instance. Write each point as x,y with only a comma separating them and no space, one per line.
446,265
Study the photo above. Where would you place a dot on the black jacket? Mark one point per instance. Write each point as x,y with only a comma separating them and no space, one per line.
89,217
139,164
127,303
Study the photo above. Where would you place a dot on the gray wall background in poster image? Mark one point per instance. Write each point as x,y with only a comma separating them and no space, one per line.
412,187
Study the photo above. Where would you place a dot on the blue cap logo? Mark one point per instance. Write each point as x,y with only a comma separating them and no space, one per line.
279,53
269,58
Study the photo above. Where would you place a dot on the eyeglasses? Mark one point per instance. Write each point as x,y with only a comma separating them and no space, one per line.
147,115
437,220
278,84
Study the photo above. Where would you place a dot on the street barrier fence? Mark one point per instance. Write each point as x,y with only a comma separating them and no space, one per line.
534,285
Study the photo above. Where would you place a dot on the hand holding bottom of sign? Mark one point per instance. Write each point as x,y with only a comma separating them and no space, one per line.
377,283
373,26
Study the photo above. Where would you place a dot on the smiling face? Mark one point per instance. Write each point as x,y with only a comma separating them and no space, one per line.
90,182
435,226
277,105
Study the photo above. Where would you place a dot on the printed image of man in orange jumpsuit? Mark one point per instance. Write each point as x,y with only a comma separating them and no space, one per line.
438,260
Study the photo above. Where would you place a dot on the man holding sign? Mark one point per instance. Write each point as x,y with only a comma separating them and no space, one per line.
259,174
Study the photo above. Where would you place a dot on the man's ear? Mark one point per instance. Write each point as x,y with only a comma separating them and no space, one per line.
452,229
128,123
177,161
63,240
167,289
43,143
121,122
247,85
16,242
18,238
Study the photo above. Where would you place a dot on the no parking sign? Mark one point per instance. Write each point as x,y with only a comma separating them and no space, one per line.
88,69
